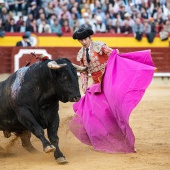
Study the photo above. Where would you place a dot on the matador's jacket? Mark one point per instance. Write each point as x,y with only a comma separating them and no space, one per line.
98,53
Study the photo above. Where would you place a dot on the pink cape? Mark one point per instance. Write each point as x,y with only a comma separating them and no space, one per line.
102,115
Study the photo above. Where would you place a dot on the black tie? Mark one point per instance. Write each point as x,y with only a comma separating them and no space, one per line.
87,55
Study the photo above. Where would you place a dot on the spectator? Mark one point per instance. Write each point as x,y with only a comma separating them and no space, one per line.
2,29
138,3
71,5
57,7
34,10
41,11
77,6
31,2
82,5
56,28
144,14
117,27
138,29
72,21
100,26
153,8
126,28
116,6
132,8
19,22
66,28
64,11
117,18
11,27
23,27
146,6
110,27
122,12
158,27
159,19
8,18
84,16
148,31
152,23
75,12
44,27
93,19
108,4
129,19
63,18
41,19
50,9
107,19
29,19
87,24
101,14
24,43
11,5
45,3
94,6
159,13
32,27
84,8
135,14
4,14
2,4
138,15
112,13
20,6
51,19
75,26
165,32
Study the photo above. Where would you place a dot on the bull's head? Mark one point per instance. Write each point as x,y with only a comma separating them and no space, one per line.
67,79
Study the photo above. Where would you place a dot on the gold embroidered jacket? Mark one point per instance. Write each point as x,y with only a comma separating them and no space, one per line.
99,53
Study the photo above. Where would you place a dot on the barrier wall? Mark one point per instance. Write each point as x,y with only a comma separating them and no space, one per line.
52,40
12,58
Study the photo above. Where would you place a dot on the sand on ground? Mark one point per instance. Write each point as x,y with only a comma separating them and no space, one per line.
150,122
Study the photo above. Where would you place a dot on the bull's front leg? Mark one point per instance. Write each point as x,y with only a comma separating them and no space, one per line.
26,118
52,131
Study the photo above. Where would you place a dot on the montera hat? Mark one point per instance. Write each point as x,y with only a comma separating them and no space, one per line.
25,36
82,33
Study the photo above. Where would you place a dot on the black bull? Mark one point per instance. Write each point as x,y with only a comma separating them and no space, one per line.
29,102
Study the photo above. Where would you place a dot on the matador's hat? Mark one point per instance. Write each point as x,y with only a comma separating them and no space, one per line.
82,33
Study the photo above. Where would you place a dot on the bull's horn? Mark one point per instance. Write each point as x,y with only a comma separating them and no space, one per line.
53,65
79,68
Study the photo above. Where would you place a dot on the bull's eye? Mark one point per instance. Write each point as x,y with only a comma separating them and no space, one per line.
73,68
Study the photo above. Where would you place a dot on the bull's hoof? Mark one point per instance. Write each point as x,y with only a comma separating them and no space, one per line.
62,160
7,134
31,149
50,148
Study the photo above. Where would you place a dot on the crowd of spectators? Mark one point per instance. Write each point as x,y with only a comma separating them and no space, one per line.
137,17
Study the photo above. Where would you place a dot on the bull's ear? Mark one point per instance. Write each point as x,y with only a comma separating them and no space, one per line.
54,66
79,68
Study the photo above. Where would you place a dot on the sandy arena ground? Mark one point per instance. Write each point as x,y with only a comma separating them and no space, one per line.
150,122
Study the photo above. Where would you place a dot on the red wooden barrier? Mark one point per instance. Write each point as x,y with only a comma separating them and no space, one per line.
161,56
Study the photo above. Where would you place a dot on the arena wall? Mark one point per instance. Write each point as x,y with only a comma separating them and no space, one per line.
52,40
